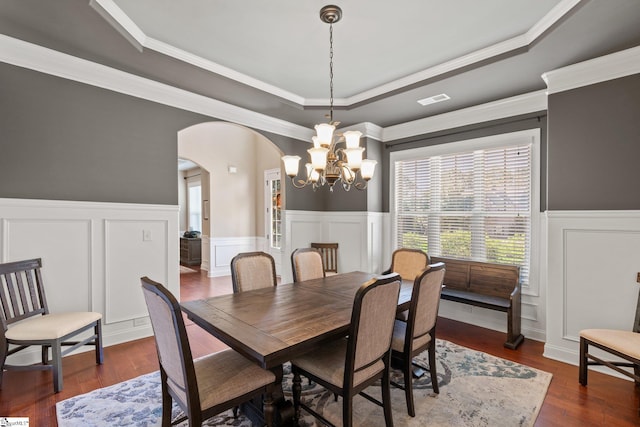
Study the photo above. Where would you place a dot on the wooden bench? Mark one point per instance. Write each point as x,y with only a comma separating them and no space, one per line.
486,285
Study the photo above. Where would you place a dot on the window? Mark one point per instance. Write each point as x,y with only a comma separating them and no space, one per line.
194,208
471,200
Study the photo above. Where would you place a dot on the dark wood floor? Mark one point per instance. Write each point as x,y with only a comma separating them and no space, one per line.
607,401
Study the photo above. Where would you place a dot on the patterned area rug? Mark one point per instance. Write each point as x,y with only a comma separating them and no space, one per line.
476,389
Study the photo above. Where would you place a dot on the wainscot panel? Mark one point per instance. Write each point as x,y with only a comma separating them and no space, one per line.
593,262
93,256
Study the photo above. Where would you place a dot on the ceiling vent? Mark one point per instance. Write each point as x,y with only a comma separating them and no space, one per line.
434,99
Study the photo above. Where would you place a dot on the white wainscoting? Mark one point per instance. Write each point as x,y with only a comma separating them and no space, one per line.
93,256
223,249
593,262
359,236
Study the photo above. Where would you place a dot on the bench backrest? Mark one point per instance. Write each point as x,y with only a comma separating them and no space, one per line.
480,277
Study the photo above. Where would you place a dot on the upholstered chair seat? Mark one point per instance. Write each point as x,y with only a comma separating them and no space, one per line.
51,326
225,368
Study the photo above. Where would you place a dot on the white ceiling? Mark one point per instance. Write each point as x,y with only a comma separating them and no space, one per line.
284,44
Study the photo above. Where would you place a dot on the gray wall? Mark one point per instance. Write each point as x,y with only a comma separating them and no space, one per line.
594,147
512,124
63,140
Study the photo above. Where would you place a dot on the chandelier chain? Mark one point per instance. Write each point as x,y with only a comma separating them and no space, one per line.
331,72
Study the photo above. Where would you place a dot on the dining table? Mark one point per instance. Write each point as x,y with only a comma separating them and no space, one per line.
273,325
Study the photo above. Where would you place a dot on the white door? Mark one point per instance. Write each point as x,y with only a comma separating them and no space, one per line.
273,216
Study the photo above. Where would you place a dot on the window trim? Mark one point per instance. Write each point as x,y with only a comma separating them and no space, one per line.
531,136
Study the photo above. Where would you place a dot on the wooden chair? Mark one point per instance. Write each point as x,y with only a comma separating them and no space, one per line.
26,321
329,253
253,270
620,343
203,387
306,264
349,365
418,333
408,263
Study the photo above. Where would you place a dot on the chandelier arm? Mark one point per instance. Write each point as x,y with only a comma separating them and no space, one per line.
361,185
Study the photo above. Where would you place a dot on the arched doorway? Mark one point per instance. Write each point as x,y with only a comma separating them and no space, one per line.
233,159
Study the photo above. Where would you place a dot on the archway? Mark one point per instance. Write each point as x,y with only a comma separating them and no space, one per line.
233,159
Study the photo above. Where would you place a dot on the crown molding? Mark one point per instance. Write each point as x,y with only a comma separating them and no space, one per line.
116,17
508,107
608,67
27,55
368,129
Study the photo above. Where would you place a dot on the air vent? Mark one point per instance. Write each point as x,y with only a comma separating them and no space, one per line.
434,99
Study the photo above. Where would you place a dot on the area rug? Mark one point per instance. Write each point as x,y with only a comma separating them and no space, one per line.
476,389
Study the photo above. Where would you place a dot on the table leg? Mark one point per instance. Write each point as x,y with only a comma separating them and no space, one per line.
273,400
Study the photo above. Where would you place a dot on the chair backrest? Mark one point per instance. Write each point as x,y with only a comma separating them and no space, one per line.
636,323
21,291
329,253
306,264
372,320
408,263
253,270
425,300
172,344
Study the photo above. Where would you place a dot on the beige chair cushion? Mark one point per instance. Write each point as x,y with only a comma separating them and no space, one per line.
51,326
399,332
626,342
226,375
309,266
328,363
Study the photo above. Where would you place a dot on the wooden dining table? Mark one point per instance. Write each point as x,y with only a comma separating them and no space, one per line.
271,326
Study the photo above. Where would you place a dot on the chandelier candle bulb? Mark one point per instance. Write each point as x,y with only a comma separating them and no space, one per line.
291,165
318,157
368,167
325,133
354,157
352,138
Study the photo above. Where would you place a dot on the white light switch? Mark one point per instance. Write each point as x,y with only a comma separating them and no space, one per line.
146,235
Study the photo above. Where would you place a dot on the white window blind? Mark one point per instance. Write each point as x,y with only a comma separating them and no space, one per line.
473,205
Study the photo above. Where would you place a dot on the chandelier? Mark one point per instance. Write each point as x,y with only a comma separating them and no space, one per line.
335,157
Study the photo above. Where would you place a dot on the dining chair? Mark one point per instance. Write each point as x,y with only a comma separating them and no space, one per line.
349,365
26,322
306,264
623,344
203,387
418,333
252,270
329,253
408,263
